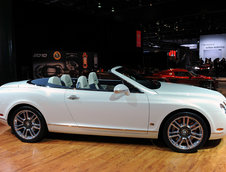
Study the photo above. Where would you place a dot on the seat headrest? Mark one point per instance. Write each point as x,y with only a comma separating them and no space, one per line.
54,80
82,82
93,78
67,80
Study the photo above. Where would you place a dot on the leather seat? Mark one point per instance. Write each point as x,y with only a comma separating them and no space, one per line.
93,81
82,82
66,79
54,80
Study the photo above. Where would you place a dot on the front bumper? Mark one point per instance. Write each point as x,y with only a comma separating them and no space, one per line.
215,136
3,121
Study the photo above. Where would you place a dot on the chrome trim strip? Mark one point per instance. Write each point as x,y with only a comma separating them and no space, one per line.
218,133
95,128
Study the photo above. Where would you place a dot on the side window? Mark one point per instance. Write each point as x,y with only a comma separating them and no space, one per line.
181,74
108,85
177,73
113,80
132,89
107,82
187,74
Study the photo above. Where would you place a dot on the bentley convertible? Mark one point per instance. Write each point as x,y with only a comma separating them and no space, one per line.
126,105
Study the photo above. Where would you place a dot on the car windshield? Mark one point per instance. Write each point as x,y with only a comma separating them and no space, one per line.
193,73
149,83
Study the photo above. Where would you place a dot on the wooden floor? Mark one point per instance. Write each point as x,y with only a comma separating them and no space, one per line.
60,152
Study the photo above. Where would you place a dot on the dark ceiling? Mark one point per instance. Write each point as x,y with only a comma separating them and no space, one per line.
177,21
168,19
108,26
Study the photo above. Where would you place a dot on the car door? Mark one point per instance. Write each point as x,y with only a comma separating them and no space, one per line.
108,110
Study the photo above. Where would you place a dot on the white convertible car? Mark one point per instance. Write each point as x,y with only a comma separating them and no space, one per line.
126,105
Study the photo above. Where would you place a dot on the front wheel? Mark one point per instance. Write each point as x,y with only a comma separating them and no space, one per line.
207,84
28,124
185,132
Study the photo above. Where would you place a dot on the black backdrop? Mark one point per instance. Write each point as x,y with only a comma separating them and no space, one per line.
7,48
40,27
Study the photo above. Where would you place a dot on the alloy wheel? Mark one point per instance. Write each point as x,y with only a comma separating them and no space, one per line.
27,124
185,133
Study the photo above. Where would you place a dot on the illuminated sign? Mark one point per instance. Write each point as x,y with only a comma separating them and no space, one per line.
190,46
57,55
212,46
172,53
85,62
138,38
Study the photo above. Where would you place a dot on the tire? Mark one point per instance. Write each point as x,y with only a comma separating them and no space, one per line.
185,132
207,84
28,124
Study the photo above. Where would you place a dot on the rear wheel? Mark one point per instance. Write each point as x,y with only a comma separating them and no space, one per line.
185,132
28,124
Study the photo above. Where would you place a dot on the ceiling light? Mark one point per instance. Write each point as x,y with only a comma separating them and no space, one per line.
99,5
113,9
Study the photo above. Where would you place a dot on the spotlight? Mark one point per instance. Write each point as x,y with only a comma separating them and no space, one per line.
99,5
112,9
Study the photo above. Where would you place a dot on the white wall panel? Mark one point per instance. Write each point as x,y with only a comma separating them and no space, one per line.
212,46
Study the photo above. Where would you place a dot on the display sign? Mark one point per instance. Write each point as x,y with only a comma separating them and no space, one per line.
56,55
85,63
48,63
212,46
138,38
172,53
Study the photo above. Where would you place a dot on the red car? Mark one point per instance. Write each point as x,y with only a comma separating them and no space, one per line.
186,77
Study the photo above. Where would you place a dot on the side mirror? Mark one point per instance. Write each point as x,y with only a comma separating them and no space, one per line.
121,88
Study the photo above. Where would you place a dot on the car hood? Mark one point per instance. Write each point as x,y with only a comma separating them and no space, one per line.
187,90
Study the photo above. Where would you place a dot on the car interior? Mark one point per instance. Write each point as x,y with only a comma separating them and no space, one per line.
65,81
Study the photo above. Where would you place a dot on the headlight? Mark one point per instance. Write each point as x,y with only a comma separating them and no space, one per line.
223,106
196,68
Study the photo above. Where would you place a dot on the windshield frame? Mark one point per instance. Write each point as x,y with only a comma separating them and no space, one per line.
133,76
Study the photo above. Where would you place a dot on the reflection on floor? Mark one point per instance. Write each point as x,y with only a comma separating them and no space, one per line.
64,152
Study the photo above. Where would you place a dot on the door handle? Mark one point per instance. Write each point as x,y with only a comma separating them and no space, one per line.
72,97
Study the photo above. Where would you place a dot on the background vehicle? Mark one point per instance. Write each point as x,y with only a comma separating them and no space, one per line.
185,77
